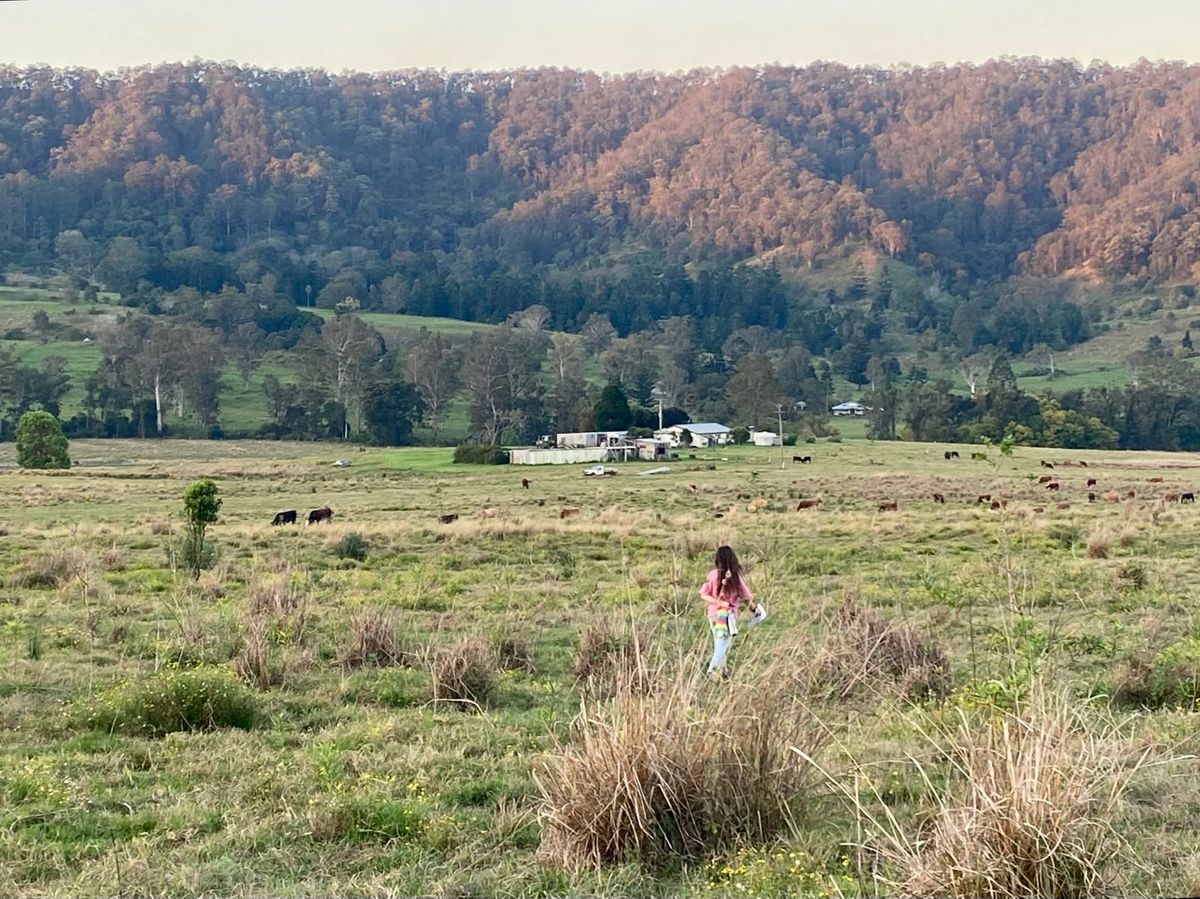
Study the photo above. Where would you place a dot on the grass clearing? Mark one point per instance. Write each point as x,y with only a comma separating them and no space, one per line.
404,704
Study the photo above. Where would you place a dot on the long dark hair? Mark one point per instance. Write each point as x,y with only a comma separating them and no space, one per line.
729,572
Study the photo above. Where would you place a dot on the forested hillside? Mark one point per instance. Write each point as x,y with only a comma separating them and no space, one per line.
752,233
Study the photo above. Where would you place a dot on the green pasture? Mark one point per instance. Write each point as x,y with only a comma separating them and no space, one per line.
355,779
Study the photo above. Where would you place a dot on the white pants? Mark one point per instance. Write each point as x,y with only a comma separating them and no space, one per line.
722,641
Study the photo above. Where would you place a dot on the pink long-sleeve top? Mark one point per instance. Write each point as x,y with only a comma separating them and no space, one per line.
723,600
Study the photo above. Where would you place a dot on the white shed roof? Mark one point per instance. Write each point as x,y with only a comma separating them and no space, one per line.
701,427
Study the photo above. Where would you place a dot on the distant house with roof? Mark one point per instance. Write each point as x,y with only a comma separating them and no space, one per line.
703,434
849,408
765,438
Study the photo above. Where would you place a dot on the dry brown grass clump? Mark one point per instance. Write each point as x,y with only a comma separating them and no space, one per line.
865,648
373,641
607,657
1028,808
56,567
681,772
276,617
513,654
464,673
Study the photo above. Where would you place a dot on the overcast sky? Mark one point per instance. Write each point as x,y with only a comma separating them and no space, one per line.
602,35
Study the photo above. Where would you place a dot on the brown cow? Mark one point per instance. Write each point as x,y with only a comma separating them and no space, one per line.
524,483
807,504
316,516
1091,497
1091,482
1063,506
1082,464
568,513
1046,464
447,519
1132,494
1038,509
984,498
1171,498
889,507
1112,497
939,499
999,504
1053,485
1046,479
1156,480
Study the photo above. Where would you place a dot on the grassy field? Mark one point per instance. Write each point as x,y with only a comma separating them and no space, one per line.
341,761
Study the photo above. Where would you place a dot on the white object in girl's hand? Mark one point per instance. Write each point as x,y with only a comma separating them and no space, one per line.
760,613
733,631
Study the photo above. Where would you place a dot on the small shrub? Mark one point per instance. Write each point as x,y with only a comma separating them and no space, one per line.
352,546
194,555
480,454
464,673
864,647
1132,576
196,699
790,439
810,439
40,441
352,819
1171,679
373,641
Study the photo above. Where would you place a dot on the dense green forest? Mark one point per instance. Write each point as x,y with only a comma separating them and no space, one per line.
677,225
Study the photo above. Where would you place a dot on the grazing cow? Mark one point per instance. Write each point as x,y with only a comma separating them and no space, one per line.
984,498
1187,497
999,504
803,460
489,512
692,488
1038,510
541,502
1053,485
1156,480
1082,464
939,499
447,519
1132,494
889,507
1046,464
1046,479
524,483
1091,482
978,457
1171,498
316,516
568,513
1112,497
1091,497
954,454
1063,506
288,517
807,504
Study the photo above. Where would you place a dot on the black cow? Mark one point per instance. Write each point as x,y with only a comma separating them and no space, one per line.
803,460
447,519
316,516
288,517
1187,497
950,454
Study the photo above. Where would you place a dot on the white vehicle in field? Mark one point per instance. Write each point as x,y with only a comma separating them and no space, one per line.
594,471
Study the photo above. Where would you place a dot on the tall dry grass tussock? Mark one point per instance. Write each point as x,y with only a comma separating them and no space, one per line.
1027,809
373,641
864,648
681,772
608,656
465,673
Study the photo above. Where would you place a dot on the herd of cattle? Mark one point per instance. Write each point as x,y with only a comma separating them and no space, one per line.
1047,481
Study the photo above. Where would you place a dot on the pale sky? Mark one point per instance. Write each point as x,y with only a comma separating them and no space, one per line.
601,35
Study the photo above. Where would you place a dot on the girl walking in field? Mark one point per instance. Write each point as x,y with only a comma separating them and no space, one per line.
724,591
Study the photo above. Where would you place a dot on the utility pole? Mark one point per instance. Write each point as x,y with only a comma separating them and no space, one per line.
779,412
660,427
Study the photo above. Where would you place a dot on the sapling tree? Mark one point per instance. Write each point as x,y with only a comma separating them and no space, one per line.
201,505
